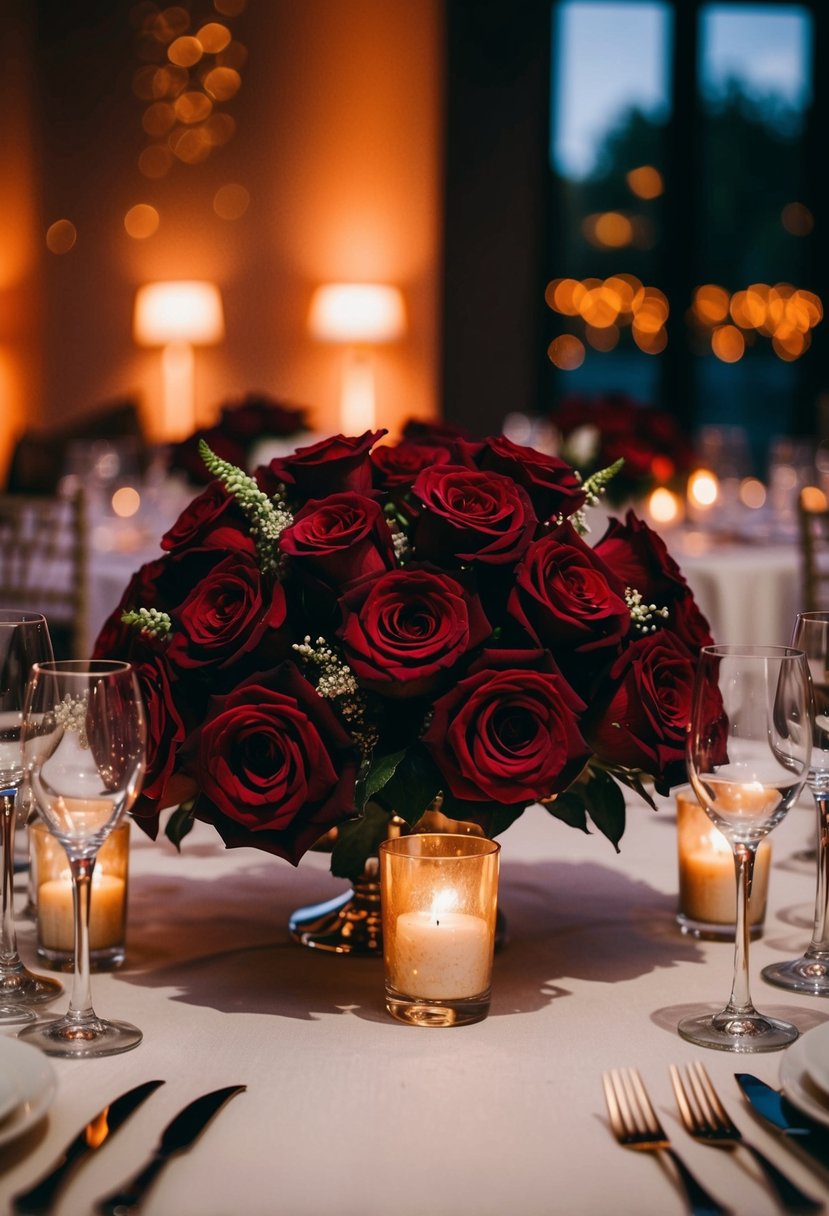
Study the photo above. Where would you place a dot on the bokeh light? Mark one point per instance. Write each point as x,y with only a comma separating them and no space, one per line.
645,182
61,236
126,502
752,493
141,221
566,352
797,219
231,201
728,344
703,488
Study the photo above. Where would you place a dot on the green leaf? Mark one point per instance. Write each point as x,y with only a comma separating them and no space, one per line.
413,786
571,808
180,824
606,807
492,817
357,840
380,772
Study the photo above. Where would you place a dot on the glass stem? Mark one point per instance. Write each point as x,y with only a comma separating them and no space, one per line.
740,1002
820,935
8,936
80,1002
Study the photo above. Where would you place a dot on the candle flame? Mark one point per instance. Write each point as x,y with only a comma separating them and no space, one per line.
444,901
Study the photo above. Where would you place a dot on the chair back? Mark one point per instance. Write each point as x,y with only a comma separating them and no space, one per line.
43,564
813,523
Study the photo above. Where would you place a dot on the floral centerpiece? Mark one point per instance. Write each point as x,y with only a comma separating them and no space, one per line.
240,427
598,431
358,627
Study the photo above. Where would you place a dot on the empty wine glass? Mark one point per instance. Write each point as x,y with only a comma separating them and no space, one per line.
24,640
810,972
84,738
749,746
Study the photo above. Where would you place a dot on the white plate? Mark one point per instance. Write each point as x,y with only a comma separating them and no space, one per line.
33,1075
815,1052
797,1082
9,1094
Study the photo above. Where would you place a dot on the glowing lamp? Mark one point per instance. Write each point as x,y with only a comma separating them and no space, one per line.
664,507
178,316
703,489
359,315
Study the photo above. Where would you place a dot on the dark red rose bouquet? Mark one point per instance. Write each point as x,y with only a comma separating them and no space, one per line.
241,425
596,432
357,628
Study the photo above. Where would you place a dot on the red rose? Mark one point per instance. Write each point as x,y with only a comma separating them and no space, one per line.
642,722
567,597
213,519
427,430
229,615
552,484
639,556
115,639
469,515
165,726
509,732
276,767
401,629
397,466
341,538
328,467
186,456
258,417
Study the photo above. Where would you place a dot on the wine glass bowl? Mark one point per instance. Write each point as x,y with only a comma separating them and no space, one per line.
84,738
24,640
748,754
810,972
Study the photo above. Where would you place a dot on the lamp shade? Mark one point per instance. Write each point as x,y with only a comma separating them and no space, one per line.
182,311
357,312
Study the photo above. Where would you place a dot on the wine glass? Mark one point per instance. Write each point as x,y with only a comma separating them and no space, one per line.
749,745
84,738
24,640
810,972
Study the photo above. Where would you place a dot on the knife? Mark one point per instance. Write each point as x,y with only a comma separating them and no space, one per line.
773,1108
41,1196
177,1136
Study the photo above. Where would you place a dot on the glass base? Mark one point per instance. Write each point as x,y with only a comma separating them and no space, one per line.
82,1037
19,985
16,1015
804,974
710,932
726,1031
108,958
421,1011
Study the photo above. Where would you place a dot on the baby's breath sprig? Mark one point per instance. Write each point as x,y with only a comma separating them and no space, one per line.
641,614
149,621
268,516
337,682
594,487
70,713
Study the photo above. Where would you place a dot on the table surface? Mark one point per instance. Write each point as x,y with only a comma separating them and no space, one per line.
350,1112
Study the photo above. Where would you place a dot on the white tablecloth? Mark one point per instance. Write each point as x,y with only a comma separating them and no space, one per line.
349,1112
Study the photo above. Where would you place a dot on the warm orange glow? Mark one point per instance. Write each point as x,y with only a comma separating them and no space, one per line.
126,502
566,295
566,352
192,106
185,51
598,309
664,507
213,37
61,236
789,345
155,161
645,182
752,493
604,339
170,23
357,312
158,119
813,499
97,1130
191,144
703,488
728,344
229,8
662,467
183,311
141,221
609,229
649,341
231,201
797,219
711,303
219,128
222,83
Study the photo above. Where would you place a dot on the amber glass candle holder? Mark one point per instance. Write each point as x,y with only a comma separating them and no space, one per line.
439,898
707,877
51,885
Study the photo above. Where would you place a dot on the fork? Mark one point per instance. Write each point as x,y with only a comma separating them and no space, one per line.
705,1118
635,1125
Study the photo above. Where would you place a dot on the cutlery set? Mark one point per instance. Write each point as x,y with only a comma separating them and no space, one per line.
179,1134
636,1125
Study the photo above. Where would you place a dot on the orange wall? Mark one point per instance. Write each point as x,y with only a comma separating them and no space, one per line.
338,142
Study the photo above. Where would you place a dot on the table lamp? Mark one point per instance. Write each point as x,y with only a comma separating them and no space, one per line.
178,316
360,315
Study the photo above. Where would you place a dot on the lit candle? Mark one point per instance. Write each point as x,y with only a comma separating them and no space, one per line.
107,911
707,875
441,955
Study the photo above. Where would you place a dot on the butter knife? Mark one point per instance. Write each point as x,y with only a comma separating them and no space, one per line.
774,1110
178,1135
39,1198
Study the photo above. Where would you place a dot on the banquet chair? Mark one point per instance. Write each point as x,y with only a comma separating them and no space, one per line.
43,564
813,523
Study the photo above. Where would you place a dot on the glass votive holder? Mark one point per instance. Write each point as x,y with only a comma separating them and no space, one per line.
439,898
708,880
51,885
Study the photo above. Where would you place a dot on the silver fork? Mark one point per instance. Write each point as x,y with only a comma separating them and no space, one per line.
706,1119
635,1125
